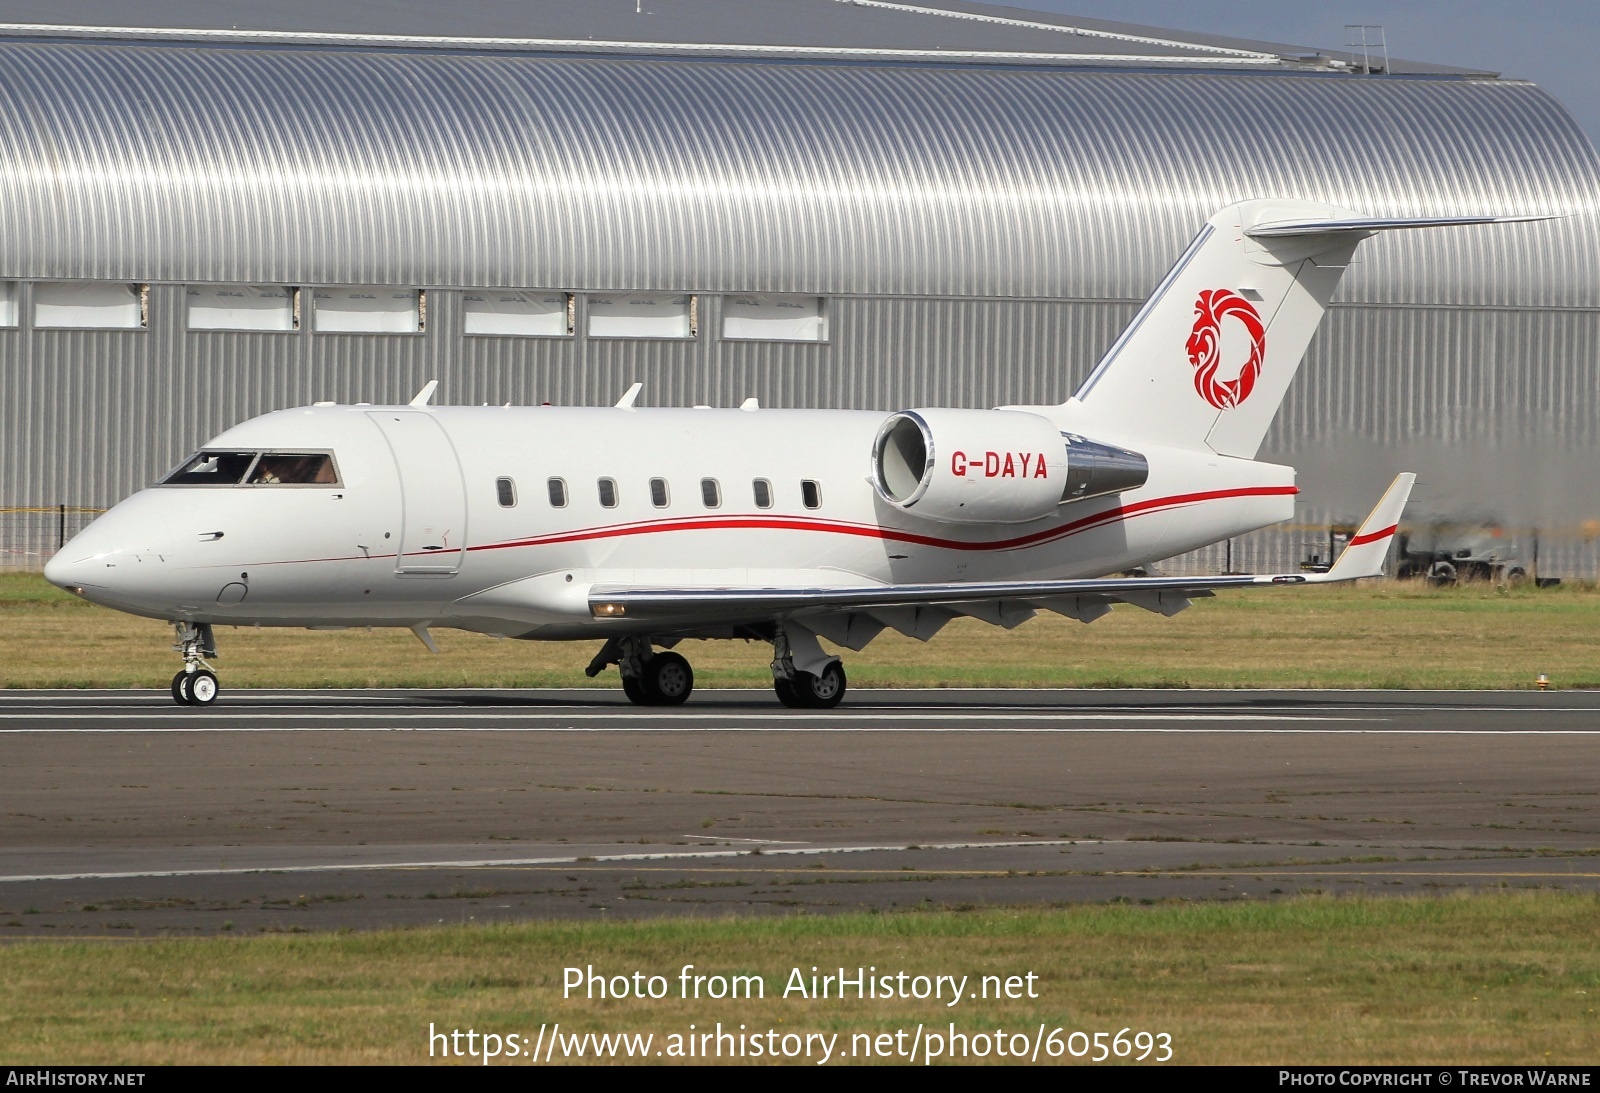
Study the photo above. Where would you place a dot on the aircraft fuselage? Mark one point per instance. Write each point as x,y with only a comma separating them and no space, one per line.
447,516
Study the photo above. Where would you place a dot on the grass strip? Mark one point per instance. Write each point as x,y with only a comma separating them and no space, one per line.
1376,635
1508,977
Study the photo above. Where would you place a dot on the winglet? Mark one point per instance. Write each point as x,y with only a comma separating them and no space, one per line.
425,396
626,401
1370,544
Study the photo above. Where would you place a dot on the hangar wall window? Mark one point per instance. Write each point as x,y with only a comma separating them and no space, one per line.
8,303
642,315
242,307
659,497
763,493
517,314
558,493
811,494
608,493
90,305
369,309
773,318
506,491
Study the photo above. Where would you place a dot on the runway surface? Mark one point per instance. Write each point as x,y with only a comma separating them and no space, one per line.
125,815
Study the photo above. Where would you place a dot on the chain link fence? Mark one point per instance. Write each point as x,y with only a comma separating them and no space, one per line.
1568,554
30,535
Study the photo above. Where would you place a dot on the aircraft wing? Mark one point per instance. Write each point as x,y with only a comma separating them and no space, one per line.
1005,603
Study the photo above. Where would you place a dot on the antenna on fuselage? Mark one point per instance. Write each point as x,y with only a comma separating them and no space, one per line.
626,401
425,396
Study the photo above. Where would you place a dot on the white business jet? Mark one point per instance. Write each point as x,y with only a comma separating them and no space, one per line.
642,527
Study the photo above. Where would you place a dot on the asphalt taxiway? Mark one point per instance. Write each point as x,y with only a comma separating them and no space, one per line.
125,815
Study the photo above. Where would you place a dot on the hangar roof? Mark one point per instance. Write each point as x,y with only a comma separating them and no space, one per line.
183,162
933,30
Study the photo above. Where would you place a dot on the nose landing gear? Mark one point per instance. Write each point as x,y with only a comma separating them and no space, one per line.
196,685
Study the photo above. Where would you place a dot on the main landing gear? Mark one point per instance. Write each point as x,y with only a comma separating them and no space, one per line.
649,678
803,676
196,685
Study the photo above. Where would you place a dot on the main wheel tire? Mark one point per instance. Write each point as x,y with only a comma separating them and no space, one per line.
180,691
821,692
668,679
634,689
201,688
785,691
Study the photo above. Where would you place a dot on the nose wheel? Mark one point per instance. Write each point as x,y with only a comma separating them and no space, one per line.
198,688
197,684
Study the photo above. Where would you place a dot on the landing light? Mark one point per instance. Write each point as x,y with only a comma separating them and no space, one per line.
609,610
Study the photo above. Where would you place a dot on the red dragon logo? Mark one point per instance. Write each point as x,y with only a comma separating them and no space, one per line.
1205,348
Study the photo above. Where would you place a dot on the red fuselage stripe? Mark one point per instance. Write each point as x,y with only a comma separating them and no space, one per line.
802,523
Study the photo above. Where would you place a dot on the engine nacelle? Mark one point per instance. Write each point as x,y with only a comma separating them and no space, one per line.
993,466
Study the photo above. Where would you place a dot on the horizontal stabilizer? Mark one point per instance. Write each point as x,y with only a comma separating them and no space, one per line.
1368,225
1369,546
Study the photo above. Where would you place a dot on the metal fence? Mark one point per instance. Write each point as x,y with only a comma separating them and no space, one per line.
1566,554
29,536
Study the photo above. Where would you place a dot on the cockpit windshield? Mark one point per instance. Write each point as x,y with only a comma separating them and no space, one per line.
212,469
256,469
293,469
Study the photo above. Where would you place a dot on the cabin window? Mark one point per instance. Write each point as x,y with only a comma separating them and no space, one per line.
516,313
773,318
90,305
658,493
293,469
242,307
368,309
211,469
506,490
811,494
763,493
711,493
608,493
558,493
642,315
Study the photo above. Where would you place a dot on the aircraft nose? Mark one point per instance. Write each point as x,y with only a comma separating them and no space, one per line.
114,560
63,572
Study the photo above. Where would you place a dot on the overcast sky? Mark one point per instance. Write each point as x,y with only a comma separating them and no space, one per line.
1551,42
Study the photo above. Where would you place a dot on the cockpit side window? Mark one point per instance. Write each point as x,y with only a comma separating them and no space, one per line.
293,469
212,469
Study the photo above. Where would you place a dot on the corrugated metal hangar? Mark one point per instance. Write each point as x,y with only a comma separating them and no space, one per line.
816,202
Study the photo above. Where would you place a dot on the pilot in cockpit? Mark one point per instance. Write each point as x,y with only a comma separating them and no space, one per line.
292,470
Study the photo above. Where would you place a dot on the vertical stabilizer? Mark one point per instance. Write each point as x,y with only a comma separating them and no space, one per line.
1206,362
